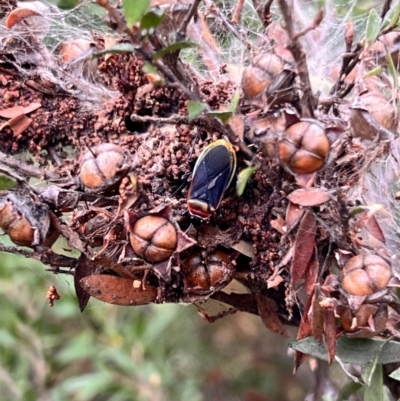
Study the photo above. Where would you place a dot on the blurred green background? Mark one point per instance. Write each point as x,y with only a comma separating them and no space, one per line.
115,353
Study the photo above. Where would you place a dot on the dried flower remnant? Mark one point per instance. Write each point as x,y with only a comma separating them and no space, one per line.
27,223
257,78
364,275
304,147
205,273
154,238
103,167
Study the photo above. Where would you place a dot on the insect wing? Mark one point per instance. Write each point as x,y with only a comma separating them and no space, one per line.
212,175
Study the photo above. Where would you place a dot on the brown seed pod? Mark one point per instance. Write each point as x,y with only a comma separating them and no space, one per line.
364,275
205,273
154,238
304,147
25,222
258,77
103,167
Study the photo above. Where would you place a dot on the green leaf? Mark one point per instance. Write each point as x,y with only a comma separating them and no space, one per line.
243,177
357,351
374,392
373,26
173,48
67,4
151,21
118,48
224,116
395,374
195,108
149,68
7,182
234,103
369,369
395,17
134,10
376,207
392,69
373,72
348,390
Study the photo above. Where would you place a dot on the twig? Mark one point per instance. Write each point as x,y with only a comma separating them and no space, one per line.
385,8
188,17
307,101
26,170
228,24
47,258
317,21
173,119
237,11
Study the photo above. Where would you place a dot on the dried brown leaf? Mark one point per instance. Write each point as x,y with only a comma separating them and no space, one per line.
19,124
309,196
19,110
117,290
330,333
318,318
304,247
278,224
374,229
311,274
18,15
237,125
305,330
244,247
293,215
268,310
83,269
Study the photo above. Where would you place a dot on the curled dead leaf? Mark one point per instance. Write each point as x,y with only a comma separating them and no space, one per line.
309,196
268,310
293,215
16,111
18,15
304,247
244,247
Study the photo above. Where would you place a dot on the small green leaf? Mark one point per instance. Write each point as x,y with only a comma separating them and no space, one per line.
7,182
357,351
151,21
243,177
149,68
373,26
373,72
118,48
195,108
234,103
392,69
67,4
173,48
376,207
395,374
374,392
224,116
134,10
395,17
